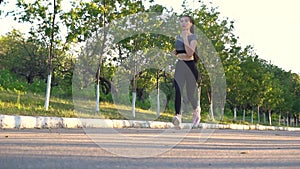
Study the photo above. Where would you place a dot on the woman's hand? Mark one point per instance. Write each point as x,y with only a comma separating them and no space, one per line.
181,55
174,52
184,33
184,56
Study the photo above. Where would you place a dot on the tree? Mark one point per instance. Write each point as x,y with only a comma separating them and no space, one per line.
146,58
214,54
273,98
22,56
251,89
89,19
44,17
296,91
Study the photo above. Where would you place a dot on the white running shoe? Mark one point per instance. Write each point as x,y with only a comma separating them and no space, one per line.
177,121
196,117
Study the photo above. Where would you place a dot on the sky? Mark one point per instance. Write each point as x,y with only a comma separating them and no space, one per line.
272,27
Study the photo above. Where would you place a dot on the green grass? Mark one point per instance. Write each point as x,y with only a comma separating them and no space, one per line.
29,104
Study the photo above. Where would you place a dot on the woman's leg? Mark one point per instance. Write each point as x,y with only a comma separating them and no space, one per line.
179,79
191,83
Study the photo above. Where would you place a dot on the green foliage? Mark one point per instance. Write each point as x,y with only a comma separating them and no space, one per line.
86,19
250,81
38,86
11,82
106,97
22,57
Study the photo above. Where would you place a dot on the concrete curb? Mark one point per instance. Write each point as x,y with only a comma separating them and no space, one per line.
22,122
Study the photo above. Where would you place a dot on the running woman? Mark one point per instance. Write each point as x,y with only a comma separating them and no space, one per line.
186,70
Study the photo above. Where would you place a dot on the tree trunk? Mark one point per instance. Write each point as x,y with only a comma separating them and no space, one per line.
296,120
199,96
100,64
158,100
270,117
168,95
258,115
244,114
48,89
222,113
50,56
279,118
134,87
133,103
97,98
158,104
264,115
211,111
234,114
287,119
252,114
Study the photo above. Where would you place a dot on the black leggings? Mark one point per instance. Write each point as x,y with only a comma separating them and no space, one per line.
185,71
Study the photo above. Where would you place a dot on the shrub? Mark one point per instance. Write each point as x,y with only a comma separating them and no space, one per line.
38,86
11,82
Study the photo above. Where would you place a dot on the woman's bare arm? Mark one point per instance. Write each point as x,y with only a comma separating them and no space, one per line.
184,56
189,47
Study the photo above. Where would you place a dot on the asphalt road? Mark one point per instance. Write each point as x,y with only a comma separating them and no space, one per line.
148,149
